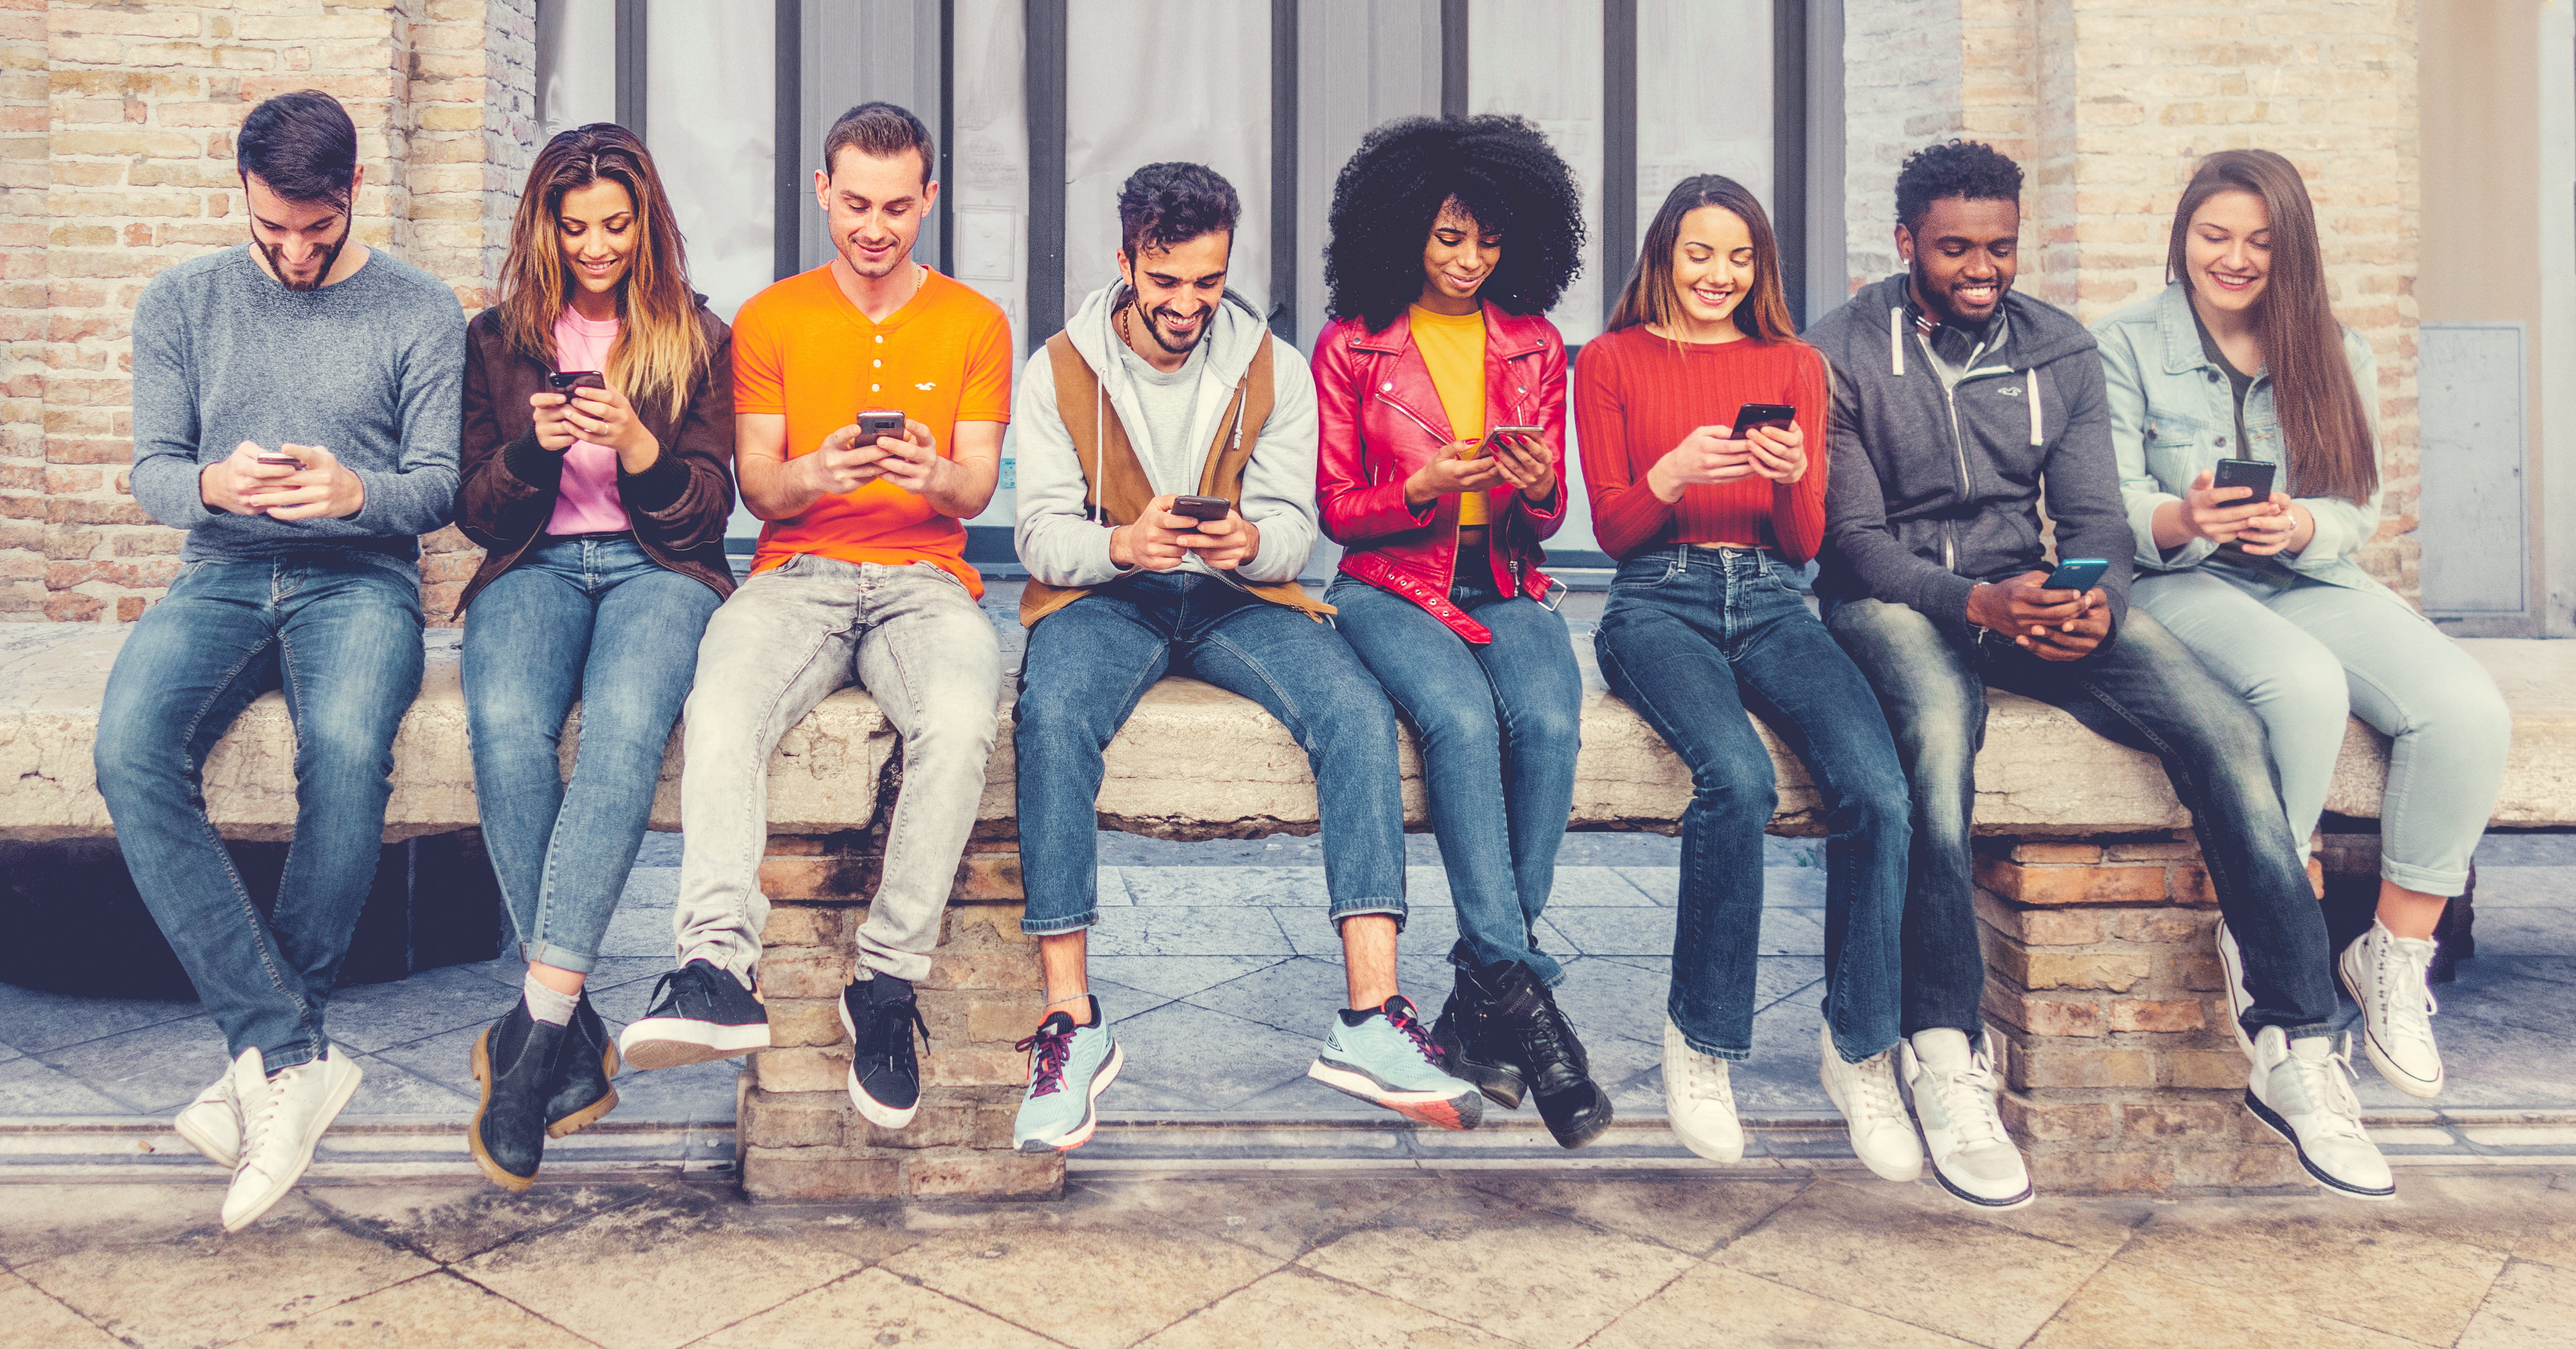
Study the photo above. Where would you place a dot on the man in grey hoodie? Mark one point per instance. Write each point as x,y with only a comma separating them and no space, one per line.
1166,449
1956,405
299,573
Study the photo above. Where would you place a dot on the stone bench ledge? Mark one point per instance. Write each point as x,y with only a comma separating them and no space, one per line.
1194,762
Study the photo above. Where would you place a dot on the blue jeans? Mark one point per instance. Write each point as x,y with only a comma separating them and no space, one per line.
1520,696
600,620
1693,639
341,637
1088,664
2146,691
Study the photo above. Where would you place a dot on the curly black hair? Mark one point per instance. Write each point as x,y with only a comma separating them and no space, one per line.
1500,168
1970,169
1168,204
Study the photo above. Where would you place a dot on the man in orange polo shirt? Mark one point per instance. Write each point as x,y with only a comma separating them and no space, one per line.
861,576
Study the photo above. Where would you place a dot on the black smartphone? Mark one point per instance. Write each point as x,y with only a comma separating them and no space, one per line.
1777,416
1202,509
565,381
2077,574
2252,473
877,423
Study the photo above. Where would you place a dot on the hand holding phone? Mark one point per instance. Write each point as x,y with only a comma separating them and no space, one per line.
565,381
1461,466
2221,501
2078,574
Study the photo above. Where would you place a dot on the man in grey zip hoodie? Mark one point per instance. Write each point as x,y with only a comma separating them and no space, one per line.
1958,405
1165,376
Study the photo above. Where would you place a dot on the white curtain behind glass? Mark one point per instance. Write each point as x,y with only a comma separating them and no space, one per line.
1697,116
988,188
576,65
1151,80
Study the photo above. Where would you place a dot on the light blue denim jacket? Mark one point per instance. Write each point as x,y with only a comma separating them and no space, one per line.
2173,415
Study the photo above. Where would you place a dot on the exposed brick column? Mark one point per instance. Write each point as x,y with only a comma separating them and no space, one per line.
2107,103
2102,980
132,165
796,1132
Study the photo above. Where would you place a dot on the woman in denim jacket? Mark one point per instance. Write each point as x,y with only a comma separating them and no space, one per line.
2241,358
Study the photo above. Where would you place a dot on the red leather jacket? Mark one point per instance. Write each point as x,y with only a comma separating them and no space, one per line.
1380,420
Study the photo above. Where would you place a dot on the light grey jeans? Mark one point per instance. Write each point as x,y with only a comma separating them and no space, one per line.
2304,656
915,640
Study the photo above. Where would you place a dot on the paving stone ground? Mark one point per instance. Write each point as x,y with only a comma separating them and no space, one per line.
1548,1260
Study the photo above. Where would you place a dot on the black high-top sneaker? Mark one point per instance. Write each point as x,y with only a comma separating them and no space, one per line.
582,1093
1508,1019
1474,1045
514,1059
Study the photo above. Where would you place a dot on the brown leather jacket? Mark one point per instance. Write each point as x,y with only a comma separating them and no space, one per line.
678,507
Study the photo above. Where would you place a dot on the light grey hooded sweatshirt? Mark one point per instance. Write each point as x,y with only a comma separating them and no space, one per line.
1058,540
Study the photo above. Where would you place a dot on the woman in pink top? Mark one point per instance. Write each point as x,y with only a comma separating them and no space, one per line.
597,458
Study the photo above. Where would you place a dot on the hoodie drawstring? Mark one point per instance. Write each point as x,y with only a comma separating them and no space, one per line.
2038,434
1896,339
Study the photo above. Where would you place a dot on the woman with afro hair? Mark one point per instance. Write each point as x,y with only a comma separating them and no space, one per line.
1440,388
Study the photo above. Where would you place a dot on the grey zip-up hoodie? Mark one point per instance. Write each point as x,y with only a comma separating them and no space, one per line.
1058,540
1936,488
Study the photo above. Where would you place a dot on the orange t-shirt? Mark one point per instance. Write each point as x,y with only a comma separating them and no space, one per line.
802,350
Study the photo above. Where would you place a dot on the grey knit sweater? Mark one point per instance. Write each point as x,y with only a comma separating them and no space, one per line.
371,368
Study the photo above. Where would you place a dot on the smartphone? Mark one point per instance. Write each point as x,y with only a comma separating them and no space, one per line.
2252,473
2077,574
1777,416
1202,509
281,460
877,423
1485,448
565,381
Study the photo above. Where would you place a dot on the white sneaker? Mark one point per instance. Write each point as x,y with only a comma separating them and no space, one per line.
2231,965
1699,1100
212,1123
1865,1092
283,1117
2386,974
2303,1089
1953,1089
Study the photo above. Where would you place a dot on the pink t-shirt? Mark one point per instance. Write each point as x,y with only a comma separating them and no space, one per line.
588,501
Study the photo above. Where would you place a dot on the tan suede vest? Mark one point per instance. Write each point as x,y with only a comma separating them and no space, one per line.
1088,418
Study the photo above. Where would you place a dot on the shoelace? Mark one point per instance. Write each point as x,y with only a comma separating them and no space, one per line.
1704,1078
1551,1036
662,990
1049,1052
1414,1030
1968,1098
886,1019
2397,1013
262,1118
2333,1090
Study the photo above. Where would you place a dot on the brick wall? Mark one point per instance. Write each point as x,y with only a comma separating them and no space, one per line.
2106,103
118,121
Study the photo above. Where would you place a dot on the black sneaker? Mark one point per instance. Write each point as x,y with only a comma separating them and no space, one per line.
885,1078
1502,1031
699,1014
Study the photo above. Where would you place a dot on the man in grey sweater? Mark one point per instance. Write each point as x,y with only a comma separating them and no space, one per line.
295,411
1167,503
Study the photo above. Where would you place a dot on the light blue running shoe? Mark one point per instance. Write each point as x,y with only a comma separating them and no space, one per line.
1386,1058
1069,1066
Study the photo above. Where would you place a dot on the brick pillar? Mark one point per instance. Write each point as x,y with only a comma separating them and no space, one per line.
797,1134
2102,981
2106,104
117,163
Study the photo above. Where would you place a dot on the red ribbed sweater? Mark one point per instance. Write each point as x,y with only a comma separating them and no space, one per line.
1637,395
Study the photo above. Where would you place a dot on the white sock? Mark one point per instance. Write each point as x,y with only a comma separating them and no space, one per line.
1942,1049
545,1004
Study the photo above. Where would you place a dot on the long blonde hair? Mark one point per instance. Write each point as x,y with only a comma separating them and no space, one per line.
660,350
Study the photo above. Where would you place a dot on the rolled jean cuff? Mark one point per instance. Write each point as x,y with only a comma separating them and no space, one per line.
1462,956
1353,908
1057,927
1714,1050
560,957
2423,880
2308,1032
275,1061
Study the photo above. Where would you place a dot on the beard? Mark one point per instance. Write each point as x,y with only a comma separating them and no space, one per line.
895,258
1939,302
330,256
1154,328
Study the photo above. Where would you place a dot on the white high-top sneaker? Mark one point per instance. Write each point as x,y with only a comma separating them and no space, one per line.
2386,974
1699,1100
2303,1089
1953,1089
2231,968
1881,1136
283,1117
212,1123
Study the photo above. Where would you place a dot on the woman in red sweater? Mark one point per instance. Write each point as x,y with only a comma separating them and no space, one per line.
1709,512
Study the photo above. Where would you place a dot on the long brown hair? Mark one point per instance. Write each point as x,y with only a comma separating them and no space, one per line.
1651,297
660,349
2322,415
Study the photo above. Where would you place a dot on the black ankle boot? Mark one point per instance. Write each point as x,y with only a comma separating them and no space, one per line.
1508,1022
581,1092
514,1059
